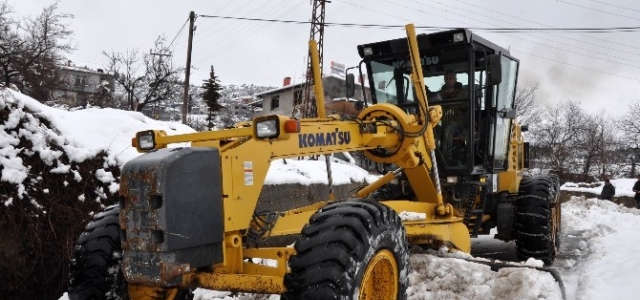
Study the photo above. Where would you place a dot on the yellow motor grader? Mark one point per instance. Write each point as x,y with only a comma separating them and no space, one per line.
187,216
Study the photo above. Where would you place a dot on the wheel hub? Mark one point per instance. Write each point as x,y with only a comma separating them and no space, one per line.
380,279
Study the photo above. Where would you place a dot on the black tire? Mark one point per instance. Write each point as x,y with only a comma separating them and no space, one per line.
538,218
337,246
95,272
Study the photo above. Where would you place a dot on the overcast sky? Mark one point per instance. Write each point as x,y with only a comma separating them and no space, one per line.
599,70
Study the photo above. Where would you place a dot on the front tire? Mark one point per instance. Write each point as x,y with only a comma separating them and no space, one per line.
95,272
538,218
350,250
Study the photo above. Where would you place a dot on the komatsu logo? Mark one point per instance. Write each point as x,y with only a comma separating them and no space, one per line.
324,139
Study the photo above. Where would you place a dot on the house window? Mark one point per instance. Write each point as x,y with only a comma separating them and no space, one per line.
81,81
297,97
275,102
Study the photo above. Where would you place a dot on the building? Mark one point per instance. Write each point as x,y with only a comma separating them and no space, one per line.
82,84
282,100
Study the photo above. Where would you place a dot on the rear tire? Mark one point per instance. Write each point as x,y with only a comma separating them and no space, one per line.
350,250
538,218
95,272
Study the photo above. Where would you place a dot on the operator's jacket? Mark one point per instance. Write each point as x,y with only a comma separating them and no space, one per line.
608,191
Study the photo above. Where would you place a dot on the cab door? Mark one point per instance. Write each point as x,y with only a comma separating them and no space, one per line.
504,112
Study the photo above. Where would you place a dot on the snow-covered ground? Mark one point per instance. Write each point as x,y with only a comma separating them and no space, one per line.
623,187
601,249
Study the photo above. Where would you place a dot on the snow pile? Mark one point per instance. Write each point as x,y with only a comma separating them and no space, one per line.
33,134
433,277
307,172
607,249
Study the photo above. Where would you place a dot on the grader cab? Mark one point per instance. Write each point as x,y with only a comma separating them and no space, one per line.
187,217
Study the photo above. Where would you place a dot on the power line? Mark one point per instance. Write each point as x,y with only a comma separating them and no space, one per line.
390,26
231,13
575,66
373,10
245,35
222,30
179,31
541,24
565,63
226,37
571,47
542,44
598,10
616,6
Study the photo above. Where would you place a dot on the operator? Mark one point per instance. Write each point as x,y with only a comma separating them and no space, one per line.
452,89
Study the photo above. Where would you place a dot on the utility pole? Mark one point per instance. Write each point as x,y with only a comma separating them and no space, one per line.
185,99
317,33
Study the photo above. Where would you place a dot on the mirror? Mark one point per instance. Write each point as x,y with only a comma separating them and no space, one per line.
351,87
494,68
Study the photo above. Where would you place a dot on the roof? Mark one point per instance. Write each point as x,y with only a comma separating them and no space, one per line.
83,70
284,88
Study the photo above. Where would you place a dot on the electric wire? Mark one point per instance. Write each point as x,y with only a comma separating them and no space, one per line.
616,6
201,33
571,47
576,66
489,29
231,13
225,31
599,10
520,38
542,44
179,31
391,26
226,36
540,37
474,28
243,35
541,24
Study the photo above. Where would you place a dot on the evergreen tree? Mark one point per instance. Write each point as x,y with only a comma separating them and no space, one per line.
211,95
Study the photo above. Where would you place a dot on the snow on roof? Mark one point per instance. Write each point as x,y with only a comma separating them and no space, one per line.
83,70
286,87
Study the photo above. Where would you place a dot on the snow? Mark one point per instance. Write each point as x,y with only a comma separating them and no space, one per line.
608,250
435,277
307,172
624,187
407,216
600,237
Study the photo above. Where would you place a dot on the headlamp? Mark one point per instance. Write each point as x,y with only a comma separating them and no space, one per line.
146,140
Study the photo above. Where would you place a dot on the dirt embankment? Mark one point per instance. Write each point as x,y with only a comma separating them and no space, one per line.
626,201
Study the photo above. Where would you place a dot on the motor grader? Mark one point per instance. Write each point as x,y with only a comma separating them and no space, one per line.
187,216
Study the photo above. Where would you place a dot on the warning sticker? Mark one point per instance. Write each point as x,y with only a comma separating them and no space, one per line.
248,173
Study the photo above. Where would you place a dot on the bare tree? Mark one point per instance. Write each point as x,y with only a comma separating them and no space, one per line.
557,137
629,126
31,51
596,144
148,80
124,69
529,107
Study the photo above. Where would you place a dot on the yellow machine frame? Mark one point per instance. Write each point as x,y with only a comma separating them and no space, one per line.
248,168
